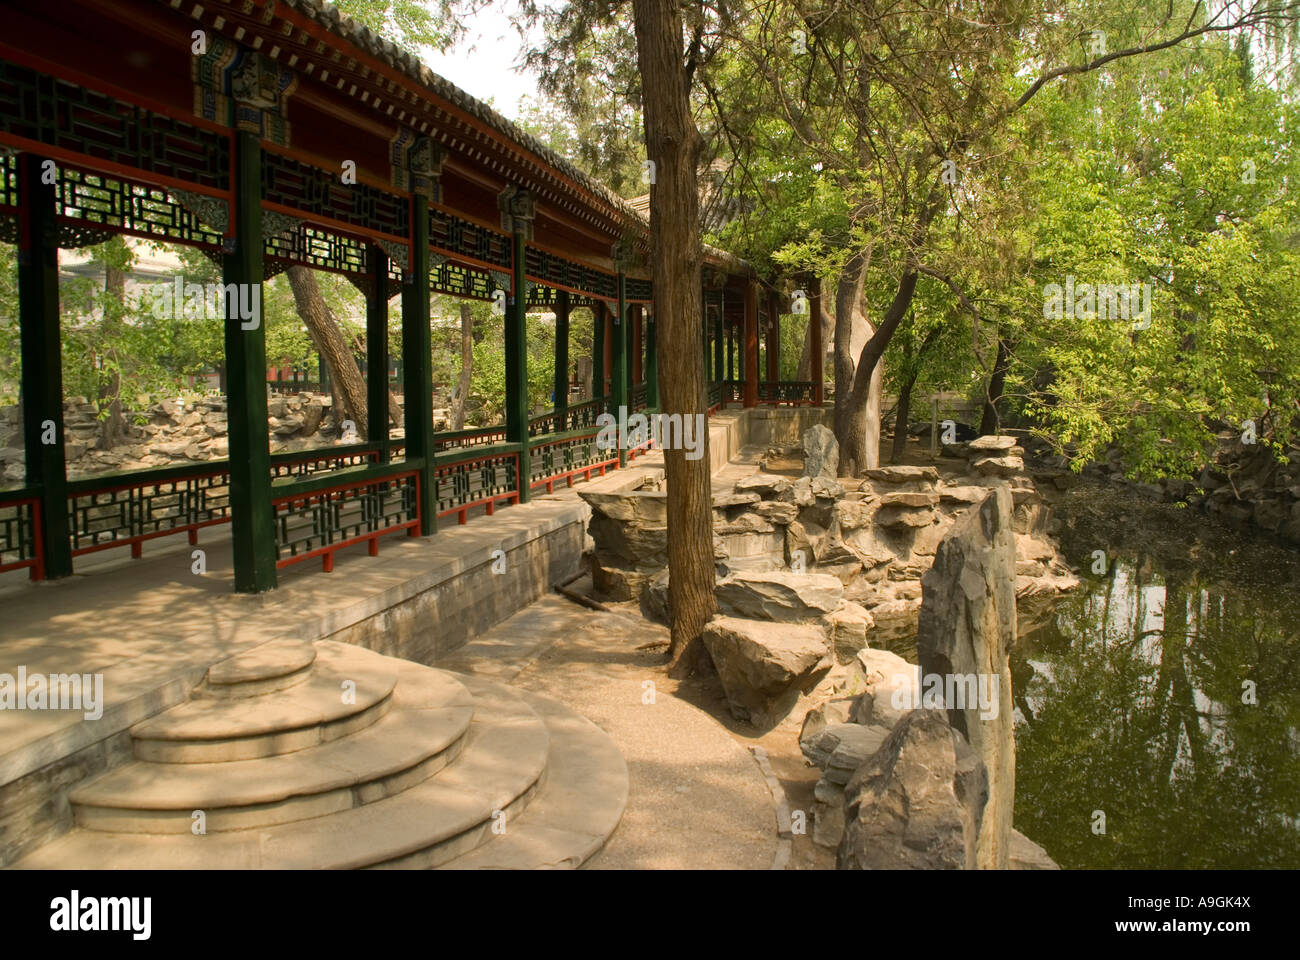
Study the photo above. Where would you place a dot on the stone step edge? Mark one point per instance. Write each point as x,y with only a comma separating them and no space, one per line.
244,849
550,834
98,805
298,718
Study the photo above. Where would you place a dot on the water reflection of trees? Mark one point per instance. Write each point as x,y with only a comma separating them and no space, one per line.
1131,701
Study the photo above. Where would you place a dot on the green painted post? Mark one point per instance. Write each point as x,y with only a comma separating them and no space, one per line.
42,372
651,362
517,365
377,353
417,363
561,360
252,525
618,399
717,336
598,353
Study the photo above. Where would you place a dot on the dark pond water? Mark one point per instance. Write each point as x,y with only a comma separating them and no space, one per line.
1132,695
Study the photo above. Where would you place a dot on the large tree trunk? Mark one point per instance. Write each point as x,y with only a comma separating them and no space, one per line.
346,383
990,422
112,428
466,368
673,145
859,435
857,413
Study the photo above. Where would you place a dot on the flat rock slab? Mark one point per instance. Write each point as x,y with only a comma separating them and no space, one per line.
902,474
780,595
989,444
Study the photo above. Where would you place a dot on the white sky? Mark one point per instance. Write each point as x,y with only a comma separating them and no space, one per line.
483,64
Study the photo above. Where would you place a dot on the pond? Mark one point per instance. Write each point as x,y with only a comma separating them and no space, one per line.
1165,693
1160,702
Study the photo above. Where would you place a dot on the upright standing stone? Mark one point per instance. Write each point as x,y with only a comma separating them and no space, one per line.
966,630
821,452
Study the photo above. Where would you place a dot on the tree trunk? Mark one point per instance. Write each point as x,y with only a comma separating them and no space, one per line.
112,428
673,144
346,383
990,422
466,368
860,441
857,412
901,413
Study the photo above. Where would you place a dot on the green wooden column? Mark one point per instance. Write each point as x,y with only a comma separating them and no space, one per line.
517,365
252,526
561,359
651,361
417,363
598,352
618,387
42,372
377,353
718,338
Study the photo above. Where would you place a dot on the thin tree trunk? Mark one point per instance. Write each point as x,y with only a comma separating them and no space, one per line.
901,413
112,428
346,383
673,144
990,422
466,368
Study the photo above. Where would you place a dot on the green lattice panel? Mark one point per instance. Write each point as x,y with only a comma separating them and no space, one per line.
93,202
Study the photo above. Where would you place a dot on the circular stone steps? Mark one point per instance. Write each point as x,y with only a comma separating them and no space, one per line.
272,666
347,690
456,772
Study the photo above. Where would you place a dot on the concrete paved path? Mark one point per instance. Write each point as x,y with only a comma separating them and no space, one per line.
697,798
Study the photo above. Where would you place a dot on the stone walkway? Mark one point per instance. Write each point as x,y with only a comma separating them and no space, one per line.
697,798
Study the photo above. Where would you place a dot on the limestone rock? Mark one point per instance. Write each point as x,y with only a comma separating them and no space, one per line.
884,679
999,466
776,512
781,595
821,452
828,713
848,625
843,747
991,443
764,667
723,500
967,627
1027,855
901,809
799,492
766,485
745,523
903,474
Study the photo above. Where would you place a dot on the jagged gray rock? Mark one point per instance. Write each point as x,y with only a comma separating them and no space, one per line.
967,627
821,452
